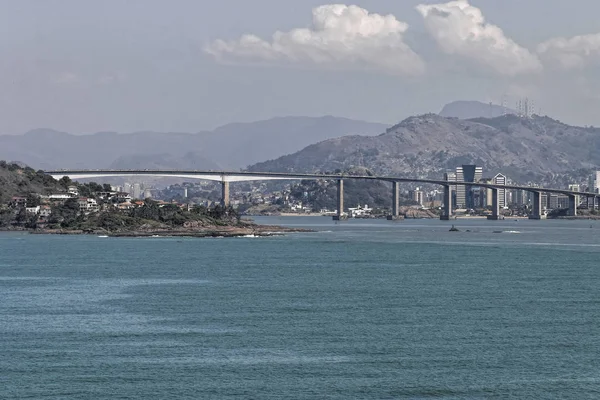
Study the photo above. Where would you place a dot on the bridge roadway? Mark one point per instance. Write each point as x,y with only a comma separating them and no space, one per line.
225,177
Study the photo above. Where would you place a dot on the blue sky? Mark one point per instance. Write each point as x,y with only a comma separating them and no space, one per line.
85,66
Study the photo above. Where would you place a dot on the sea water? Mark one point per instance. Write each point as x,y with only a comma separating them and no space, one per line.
357,310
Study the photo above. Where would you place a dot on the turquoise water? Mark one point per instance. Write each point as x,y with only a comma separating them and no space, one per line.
362,309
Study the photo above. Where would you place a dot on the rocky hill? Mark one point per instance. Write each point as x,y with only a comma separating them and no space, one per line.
16,180
229,147
427,145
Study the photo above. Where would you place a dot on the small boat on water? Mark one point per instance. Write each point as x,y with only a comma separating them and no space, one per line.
454,229
102,236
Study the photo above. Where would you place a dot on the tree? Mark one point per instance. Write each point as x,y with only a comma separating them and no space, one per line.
21,217
32,200
65,182
7,217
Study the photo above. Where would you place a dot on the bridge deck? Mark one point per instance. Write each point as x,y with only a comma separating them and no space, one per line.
238,176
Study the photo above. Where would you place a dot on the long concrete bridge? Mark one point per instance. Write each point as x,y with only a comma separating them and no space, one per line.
225,177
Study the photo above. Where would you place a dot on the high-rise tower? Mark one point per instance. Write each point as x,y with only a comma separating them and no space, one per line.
464,195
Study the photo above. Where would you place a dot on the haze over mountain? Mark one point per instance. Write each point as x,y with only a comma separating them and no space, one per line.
231,146
427,145
474,109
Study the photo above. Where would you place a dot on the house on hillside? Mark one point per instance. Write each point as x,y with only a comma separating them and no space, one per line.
73,191
32,210
18,202
88,205
45,211
59,196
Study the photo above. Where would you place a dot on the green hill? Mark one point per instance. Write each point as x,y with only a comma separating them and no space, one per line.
16,180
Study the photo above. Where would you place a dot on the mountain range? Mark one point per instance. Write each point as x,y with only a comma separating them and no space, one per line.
525,149
231,146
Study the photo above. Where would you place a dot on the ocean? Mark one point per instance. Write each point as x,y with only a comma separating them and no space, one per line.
364,309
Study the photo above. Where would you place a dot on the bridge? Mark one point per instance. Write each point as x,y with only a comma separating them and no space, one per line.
225,177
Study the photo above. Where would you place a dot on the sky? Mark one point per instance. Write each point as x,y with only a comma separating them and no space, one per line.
84,66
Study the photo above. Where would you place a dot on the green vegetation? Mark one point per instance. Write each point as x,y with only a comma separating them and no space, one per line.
150,215
23,181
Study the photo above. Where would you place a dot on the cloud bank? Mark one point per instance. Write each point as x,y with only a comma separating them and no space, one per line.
341,37
348,37
573,53
461,29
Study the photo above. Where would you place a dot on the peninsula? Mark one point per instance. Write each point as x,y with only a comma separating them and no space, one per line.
33,201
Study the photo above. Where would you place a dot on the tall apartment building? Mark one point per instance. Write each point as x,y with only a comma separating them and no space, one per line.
464,194
520,197
418,196
551,201
137,191
500,179
594,182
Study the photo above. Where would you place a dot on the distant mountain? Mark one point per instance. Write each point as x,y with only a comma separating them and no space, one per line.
427,145
473,109
189,160
232,146
240,145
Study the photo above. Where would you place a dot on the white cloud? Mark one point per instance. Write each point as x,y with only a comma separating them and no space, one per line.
461,29
341,37
576,52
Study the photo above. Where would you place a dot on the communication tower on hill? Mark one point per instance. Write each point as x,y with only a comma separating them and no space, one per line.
504,105
525,108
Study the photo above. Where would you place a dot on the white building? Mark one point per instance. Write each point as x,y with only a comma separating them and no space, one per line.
59,196
594,182
359,211
88,205
500,179
137,191
417,196
73,191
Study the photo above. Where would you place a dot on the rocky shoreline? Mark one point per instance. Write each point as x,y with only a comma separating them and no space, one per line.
204,232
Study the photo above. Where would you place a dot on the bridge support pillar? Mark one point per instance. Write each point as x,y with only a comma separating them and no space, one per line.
340,216
447,211
225,194
495,206
395,202
572,212
536,207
